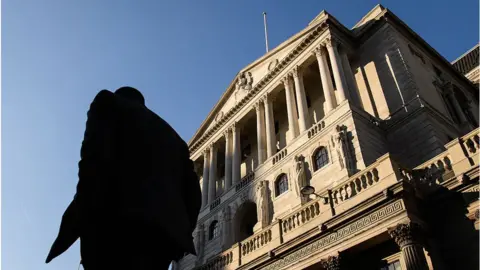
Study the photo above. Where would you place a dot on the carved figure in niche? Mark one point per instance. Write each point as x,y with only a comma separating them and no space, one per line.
301,176
199,240
245,81
262,203
343,149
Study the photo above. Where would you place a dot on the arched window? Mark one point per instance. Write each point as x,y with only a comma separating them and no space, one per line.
281,185
320,158
213,230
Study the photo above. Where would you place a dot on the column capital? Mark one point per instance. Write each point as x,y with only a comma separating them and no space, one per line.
406,234
234,126
318,51
206,150
226,132
286,80
268,97
257,104
296,71
211,146
331,42
331,263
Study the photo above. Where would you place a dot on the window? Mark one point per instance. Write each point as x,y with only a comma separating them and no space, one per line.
281,185
213,230
392,266
320,157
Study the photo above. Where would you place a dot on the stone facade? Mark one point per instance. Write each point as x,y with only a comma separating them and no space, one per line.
373,121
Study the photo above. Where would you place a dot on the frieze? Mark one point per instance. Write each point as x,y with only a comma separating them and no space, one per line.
339,235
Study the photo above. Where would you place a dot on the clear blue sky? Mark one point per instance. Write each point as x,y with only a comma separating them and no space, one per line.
181,54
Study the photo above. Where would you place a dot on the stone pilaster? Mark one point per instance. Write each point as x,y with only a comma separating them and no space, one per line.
291,108
303,119
206,165
332,47
407,236
325,78
260,132
236,159
212,174
228,160
270,124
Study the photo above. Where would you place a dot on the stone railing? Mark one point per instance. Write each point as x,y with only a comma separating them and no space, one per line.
471,143
247,179
229,259
315,129
305,214
256,241
279,156
355,185
215,203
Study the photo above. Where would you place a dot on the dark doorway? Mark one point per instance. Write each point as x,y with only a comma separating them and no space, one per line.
245,219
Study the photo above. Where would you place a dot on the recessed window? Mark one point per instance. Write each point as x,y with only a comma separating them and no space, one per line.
281,185
213,230
392,266
320,157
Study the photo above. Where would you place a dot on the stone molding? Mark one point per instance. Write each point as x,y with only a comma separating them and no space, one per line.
339,235
331,263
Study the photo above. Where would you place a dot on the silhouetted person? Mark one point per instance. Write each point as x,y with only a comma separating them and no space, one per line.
138,197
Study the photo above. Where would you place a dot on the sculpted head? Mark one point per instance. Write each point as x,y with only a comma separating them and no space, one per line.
131,94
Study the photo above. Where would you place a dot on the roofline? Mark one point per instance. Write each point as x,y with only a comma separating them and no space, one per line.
260,60
465,53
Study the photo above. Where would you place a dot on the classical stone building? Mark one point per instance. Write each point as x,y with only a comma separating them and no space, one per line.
468,65
341,149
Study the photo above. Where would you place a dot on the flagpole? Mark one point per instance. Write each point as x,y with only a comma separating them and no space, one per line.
265,26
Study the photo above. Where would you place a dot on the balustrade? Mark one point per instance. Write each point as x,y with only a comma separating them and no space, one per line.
279,156
355,185
256,241
215,203
300,217
245,181
315,129
471,143
221,261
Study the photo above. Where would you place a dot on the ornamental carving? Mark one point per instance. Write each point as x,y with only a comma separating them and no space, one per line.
245,81
272,64
219,116
331,263
339,235
405,234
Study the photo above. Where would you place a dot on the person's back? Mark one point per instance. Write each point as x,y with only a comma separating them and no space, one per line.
137,191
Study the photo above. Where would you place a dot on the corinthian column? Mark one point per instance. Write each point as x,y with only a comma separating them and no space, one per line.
236,153
336,68
228,160
325,77
206,165
270,125
260,132
291,109
304,121
407,237
212,174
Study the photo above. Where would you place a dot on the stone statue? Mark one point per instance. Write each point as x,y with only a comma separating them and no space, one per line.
199,240
343,149
225,221
262,203
301,176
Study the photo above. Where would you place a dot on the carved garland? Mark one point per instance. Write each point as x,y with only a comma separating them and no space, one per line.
339,235
262,83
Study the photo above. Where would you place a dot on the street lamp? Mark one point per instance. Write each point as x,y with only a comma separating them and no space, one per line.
309,190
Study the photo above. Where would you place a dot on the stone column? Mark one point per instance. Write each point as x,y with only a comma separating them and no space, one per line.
291,108
331,263
336,68
260,132
407,237
325,77
236,154
270,125
206,165
304,120
228,160
350,78
212,174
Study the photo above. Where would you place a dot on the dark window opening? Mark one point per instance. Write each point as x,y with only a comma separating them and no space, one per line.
321,158
213,230
281,185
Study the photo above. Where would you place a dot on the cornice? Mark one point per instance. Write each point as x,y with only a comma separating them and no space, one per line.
262,84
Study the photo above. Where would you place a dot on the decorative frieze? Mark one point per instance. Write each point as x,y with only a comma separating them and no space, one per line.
339,235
